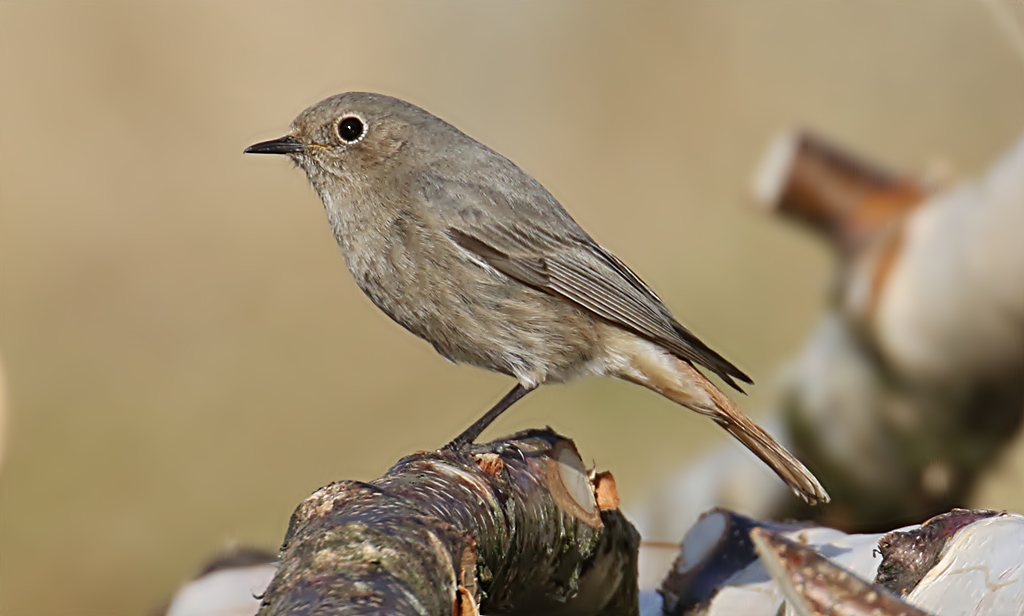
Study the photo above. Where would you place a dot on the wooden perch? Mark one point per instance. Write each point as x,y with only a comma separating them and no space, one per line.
508,527
393,547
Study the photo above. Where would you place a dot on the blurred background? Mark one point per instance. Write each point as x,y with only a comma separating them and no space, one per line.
186,355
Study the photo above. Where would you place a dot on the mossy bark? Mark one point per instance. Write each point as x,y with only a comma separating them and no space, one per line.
507,527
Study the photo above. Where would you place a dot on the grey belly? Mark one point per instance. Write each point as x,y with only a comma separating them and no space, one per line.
481,317
522,332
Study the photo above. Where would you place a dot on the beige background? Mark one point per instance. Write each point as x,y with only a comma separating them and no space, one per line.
187,357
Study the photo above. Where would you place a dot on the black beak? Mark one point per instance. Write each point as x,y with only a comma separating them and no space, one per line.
284,145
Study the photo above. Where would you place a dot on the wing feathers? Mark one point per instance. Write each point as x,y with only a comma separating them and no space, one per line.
596,280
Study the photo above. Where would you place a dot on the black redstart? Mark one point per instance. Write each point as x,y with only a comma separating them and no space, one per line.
467,251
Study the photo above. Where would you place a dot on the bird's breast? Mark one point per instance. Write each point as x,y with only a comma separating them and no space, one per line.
467,310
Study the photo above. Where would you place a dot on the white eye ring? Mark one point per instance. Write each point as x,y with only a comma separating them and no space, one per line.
351,128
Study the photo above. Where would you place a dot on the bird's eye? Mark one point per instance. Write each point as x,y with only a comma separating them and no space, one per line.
351,129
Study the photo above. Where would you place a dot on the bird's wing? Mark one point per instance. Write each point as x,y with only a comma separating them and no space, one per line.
544,248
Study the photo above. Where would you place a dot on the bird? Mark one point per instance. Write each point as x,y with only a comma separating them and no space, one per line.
467,251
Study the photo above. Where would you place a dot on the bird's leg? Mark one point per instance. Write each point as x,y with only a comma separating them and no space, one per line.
469,434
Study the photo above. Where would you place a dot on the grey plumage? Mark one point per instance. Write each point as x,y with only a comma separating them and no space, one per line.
467,251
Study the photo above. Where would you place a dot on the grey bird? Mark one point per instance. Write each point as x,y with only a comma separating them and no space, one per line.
467,251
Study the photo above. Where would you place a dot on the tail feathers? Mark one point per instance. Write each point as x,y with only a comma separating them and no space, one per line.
645,363
762,445
785,464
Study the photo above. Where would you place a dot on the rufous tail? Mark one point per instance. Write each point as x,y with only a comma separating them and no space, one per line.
680,382
785,464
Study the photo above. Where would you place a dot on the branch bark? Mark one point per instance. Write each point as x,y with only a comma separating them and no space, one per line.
515,526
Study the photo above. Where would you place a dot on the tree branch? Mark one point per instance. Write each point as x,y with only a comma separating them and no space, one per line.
514,526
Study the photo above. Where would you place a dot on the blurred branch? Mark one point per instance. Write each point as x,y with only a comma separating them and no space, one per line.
514,526
915,381
958,563
834,192
912,383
